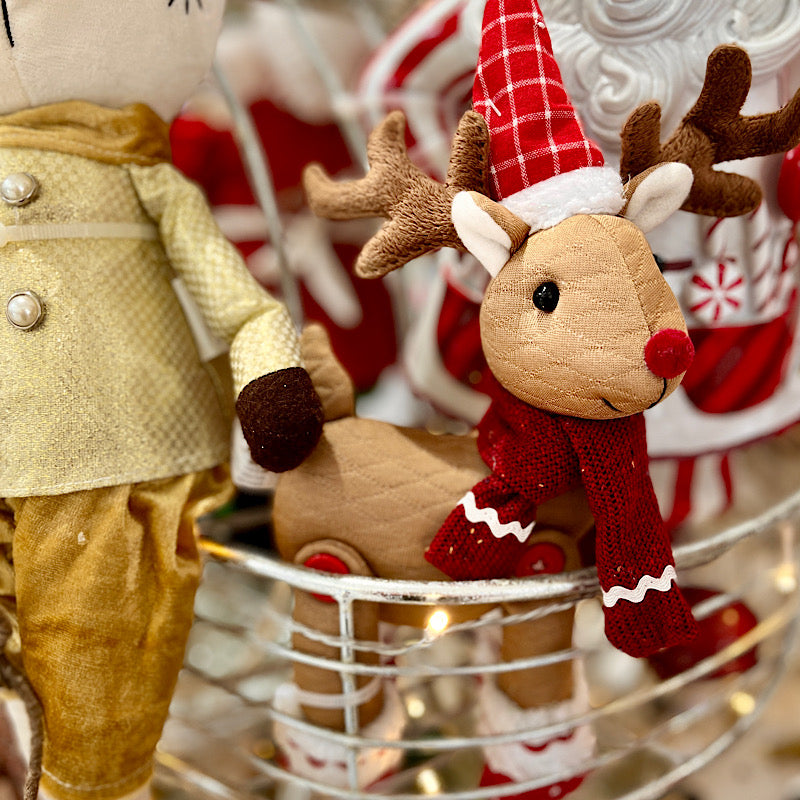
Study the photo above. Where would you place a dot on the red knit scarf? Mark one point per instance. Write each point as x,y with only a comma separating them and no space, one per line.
535,456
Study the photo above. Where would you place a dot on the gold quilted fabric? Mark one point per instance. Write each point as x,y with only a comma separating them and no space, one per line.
109,388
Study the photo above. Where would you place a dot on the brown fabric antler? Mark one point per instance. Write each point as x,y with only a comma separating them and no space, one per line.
417,208
713,131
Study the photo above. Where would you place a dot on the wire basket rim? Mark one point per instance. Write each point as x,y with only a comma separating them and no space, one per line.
578,584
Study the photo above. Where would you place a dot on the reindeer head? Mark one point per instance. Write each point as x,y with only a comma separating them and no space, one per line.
577,319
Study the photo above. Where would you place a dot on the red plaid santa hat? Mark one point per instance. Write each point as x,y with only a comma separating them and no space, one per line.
543,167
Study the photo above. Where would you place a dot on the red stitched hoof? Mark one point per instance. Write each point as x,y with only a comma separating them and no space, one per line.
668,353
326,562
541,558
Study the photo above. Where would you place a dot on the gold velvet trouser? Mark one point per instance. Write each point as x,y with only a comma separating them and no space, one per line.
103,582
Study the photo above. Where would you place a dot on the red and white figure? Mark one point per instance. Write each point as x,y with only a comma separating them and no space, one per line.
739,297
655,49
425,69
744,383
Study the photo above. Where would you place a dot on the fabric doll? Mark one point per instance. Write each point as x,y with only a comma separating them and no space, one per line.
116,419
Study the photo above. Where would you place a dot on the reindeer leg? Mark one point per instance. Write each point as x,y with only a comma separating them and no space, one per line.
318,694
322,615
533,697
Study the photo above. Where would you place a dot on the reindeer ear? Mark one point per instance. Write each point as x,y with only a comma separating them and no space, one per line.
488,230
656,194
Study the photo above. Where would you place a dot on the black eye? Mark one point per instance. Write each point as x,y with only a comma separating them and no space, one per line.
659,262
545,297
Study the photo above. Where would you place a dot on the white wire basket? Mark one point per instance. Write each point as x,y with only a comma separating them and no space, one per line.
651,732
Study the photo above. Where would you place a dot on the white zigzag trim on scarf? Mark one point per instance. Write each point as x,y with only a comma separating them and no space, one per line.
646,582
489,517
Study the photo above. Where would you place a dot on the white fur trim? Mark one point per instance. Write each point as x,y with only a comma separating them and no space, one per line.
659,195
317,757
590,190
498,714
489,517
481,235
646,582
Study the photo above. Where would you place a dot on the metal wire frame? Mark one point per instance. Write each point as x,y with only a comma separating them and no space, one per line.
581,583
776,633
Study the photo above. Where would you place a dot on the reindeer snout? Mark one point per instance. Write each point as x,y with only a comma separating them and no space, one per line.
668,353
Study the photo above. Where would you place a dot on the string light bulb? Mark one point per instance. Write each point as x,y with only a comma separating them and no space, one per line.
742,703
429,781
438,622
786,578
415,707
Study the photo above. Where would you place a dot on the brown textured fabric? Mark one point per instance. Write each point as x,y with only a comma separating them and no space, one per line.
281,418
384,490
374,495
105,584
131,135
712,132
417,208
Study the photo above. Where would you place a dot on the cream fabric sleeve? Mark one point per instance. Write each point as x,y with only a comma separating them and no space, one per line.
261,335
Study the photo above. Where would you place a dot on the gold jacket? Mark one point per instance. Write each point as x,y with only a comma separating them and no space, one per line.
108,386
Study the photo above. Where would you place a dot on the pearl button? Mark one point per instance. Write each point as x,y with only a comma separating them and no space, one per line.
24,310
19,189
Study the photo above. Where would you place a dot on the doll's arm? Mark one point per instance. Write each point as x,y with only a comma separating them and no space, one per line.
280,412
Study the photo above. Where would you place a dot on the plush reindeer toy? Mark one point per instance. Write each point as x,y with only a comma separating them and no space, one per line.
582,333
115,417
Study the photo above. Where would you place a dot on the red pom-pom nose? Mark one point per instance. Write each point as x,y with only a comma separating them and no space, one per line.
668,353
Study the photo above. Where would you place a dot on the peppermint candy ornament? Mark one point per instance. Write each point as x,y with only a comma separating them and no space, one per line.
716,292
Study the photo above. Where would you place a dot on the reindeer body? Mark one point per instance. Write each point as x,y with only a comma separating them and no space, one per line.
391,488
380,493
